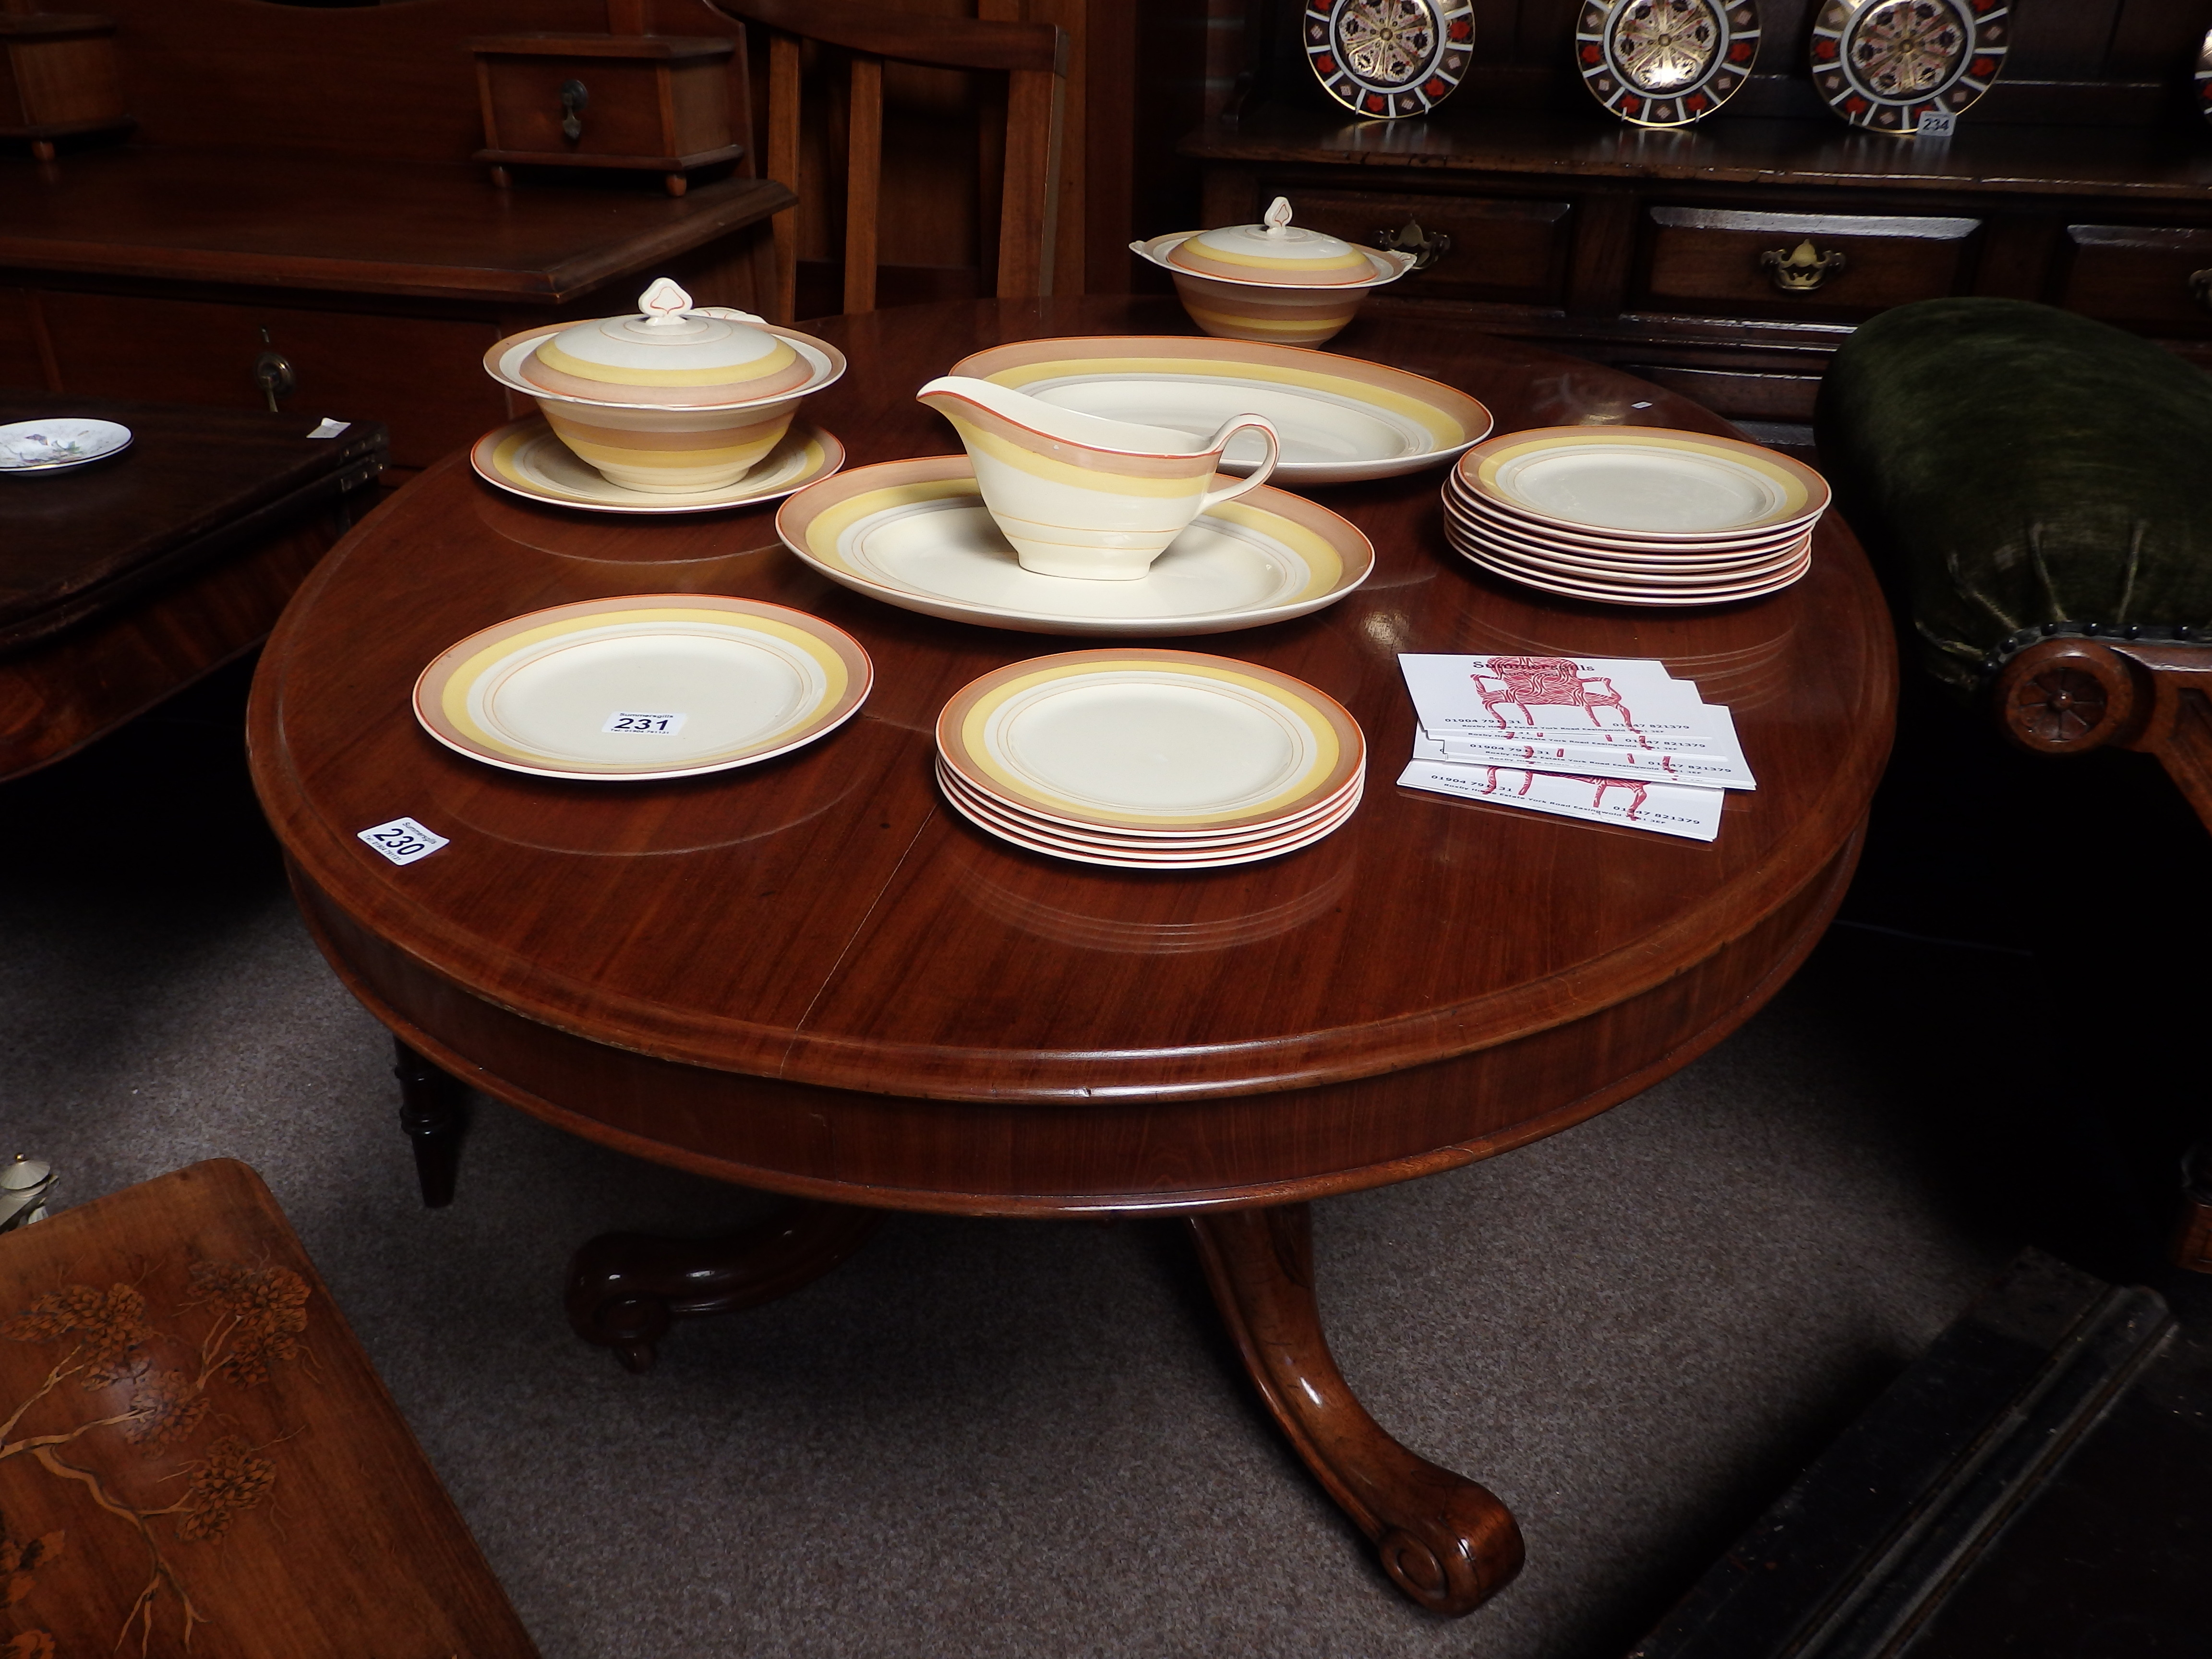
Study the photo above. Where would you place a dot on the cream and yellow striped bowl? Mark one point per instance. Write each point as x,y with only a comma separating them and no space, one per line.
1278,313
660,449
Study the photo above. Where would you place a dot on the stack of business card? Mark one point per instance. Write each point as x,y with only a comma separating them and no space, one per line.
1613,739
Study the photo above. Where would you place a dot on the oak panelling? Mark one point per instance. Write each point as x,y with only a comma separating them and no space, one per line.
822,921
22,363
2143,275
2157,39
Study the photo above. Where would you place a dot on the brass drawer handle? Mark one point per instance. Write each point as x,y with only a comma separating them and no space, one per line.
272,373
575,99
1426,246
1802,269
2200,288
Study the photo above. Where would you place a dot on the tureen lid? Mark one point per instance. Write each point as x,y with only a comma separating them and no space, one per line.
669,345
1273,251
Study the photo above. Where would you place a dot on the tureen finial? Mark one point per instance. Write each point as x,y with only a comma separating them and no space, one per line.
1279,216
663,304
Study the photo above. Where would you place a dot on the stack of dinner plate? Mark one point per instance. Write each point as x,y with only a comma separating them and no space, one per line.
1147,759
1634,515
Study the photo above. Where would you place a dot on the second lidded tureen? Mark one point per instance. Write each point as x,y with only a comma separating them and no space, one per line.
676,398
1271,281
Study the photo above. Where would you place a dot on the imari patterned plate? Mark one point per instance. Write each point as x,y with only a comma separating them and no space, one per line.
2203,80
1338,419
1390,58
1882,65
651,685
1665,62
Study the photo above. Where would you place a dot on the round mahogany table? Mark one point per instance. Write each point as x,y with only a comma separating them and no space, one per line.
812,977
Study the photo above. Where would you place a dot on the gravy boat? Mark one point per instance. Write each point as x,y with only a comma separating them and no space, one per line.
1079,495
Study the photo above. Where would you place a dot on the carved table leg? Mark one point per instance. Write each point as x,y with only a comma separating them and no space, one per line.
1447,1542
625,1288
433,1110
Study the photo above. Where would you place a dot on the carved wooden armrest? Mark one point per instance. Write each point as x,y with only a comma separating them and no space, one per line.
2066,695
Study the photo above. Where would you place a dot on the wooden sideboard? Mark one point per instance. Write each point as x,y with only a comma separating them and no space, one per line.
2082,179
297,214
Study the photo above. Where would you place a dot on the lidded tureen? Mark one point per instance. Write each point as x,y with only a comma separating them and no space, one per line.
1271,281
671,353
674,399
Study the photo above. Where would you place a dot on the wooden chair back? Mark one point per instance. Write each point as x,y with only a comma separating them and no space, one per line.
1032,55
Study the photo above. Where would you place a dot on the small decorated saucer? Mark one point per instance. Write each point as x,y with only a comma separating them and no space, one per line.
59,444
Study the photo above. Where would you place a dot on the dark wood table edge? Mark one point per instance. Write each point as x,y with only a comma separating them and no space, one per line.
1823,896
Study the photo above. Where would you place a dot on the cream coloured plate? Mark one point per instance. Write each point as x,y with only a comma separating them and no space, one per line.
1643,483
1547,581
1150,740
987,815
524,458
1470,510
1162,840
1340,418
916,534
654,685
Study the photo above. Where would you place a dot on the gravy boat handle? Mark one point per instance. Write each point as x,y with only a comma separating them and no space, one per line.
1219,441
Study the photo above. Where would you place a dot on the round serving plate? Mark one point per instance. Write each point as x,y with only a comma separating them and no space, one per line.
1643,483
1390,58
524,458
650,685
1882,65
1150,739
1471,512
1665,62
61,443
1602,593
916,534
1164,841
1599,574
1338,419
985,815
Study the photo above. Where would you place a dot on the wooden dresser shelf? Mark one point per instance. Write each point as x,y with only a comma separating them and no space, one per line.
353,224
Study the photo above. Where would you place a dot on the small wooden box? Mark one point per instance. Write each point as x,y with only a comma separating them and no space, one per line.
57,77
656,102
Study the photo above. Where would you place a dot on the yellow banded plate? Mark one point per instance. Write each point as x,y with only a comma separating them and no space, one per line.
1643,483
1150,740
524,458
1339,419
652,685
916,534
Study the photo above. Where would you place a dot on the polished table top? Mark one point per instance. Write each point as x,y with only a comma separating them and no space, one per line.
824,920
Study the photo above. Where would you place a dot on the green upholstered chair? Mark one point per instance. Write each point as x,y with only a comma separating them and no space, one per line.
2036,489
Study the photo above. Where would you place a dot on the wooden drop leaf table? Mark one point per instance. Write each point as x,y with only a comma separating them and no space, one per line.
809,976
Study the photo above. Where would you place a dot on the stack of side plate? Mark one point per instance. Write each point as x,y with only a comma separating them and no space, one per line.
1150,759
1635,515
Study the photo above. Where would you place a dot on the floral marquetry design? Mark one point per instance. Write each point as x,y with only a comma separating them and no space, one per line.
1884,64
1665,62
130,1455
1390,58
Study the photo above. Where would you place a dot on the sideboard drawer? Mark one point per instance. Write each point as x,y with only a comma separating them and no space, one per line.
2143,275
423,376
1711,260
1505,250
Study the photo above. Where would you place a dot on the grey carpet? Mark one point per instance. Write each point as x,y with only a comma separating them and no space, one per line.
1004,1438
